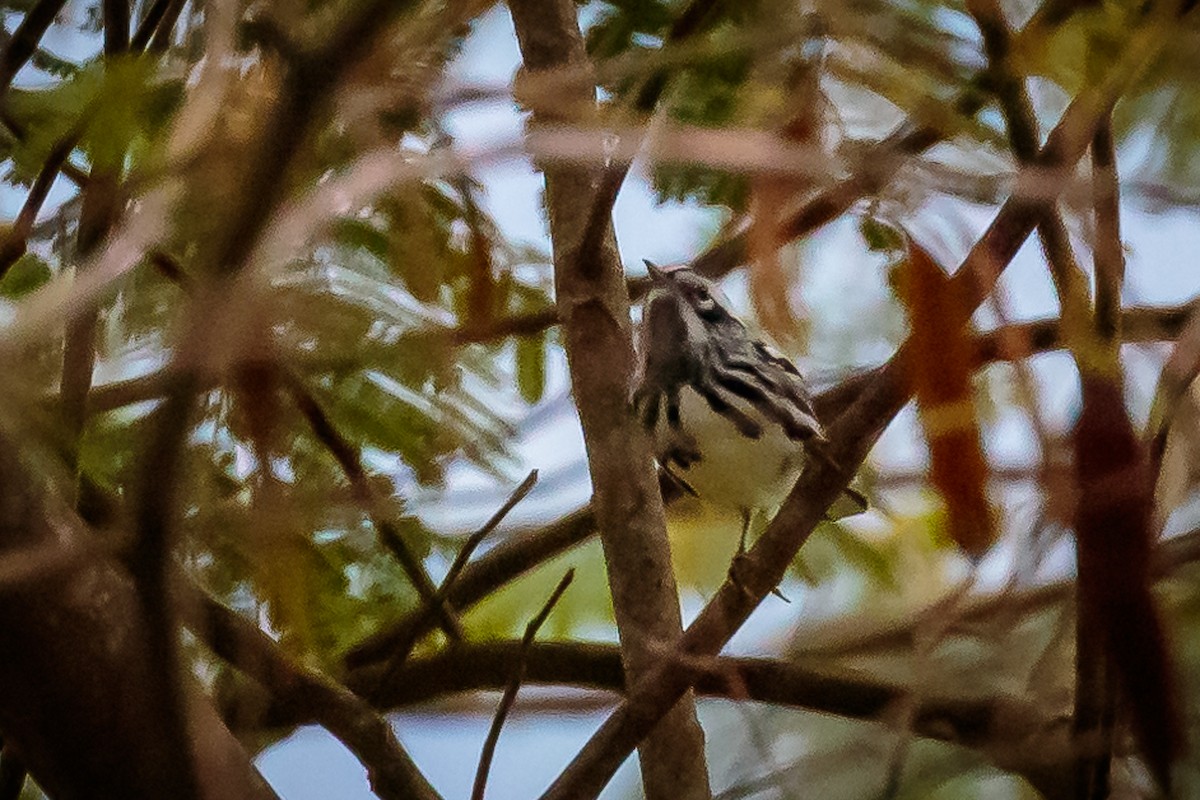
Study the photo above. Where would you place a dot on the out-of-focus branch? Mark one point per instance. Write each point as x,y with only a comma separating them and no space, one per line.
25,40
989,724
1109,253
1021,121
347,456
154,31
16,239
308,82
308,693
594,310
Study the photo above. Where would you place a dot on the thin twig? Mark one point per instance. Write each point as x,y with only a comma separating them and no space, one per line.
348,457
514,684
404,646
523,552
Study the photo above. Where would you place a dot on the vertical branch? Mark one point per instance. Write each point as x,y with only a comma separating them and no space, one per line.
1115,612
1109,254
311,78
594,308
1094,696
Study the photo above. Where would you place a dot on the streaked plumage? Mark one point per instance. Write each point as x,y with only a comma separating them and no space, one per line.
732,419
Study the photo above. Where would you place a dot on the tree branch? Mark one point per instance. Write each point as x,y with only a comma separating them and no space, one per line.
851,437
347,456
25,40
1170,556
302,101
305,692
402,649
594,309
514,684
524,551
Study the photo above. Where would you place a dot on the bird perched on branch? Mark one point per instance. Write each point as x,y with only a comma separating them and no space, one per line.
731,418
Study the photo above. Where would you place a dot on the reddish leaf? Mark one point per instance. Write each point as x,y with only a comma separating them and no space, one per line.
1114,533
941,376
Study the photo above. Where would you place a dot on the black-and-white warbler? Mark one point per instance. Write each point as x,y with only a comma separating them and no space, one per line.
732,419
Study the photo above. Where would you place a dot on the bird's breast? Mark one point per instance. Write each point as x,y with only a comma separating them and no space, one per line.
720,463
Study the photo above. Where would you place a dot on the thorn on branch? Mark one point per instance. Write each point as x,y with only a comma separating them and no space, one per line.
510,691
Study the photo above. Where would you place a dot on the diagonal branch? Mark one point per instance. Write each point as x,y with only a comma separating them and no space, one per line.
851,437
347,456
25,40
304,691
403,648
522,552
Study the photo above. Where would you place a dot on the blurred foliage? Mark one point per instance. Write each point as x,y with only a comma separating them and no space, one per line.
384,322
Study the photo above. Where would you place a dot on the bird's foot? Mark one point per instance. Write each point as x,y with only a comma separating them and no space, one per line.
739,570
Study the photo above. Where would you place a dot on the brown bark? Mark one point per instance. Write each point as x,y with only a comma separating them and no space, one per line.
73,703
593,305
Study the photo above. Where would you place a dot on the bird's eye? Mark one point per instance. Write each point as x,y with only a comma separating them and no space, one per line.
702,300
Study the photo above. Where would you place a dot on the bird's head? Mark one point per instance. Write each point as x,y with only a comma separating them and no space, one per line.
697,294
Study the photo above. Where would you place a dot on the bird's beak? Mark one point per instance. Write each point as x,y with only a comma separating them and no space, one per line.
656,273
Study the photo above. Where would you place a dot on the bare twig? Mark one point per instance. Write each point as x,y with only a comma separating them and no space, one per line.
514,684
523,552
441,599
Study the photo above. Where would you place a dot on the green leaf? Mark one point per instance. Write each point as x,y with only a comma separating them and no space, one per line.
879,236
531,367
27,275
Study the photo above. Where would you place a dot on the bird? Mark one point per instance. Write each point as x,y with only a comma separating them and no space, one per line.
731,418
